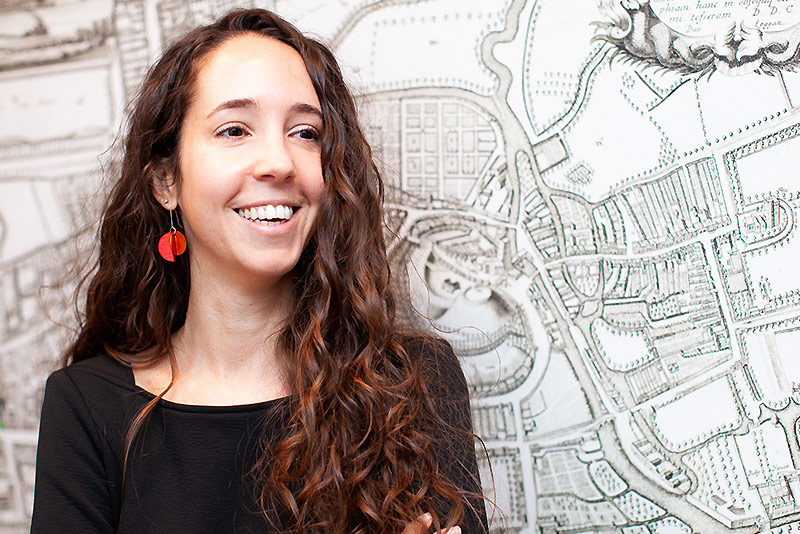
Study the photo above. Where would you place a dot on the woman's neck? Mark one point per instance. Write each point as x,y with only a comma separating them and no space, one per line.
227,351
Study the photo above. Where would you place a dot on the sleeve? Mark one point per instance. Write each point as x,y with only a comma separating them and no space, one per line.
457,460
72,491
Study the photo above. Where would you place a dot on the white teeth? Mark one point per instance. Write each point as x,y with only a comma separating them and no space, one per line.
267,214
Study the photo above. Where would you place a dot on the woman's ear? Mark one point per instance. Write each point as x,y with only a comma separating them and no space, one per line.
162,183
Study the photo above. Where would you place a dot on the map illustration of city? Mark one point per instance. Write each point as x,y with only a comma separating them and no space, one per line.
595,201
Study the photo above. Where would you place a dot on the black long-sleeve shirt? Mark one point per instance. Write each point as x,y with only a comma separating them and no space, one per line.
188,472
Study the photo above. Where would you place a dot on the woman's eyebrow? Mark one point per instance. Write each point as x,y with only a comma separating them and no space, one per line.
241,103
302,107
236,103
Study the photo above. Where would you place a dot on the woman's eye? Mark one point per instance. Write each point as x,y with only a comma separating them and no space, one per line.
306,133
232,131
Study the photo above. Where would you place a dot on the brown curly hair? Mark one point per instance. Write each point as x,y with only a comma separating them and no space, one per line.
359,455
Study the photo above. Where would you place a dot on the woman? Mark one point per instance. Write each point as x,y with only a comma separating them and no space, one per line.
257,382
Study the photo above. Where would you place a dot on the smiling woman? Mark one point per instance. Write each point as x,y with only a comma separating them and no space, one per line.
250,145
259,382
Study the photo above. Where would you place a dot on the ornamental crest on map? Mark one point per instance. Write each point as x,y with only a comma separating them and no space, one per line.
733,37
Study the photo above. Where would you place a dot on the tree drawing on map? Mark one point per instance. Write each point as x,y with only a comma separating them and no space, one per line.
595,202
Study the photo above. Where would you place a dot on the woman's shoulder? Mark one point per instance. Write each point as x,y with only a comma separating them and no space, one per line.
438,361
88,404
95,384
99,370
447,394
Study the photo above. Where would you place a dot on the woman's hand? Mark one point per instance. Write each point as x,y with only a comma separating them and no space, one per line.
422,525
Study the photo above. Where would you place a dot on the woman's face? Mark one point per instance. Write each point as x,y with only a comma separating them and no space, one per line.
250,171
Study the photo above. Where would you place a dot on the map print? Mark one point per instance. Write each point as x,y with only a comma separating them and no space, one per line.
595,201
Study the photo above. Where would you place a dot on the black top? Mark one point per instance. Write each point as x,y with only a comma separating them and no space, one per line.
188,472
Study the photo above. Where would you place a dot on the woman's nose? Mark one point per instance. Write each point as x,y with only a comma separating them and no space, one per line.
272,158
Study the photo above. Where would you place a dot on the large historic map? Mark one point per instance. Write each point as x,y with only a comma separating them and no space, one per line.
595,201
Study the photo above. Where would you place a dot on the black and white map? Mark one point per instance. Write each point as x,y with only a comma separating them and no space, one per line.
595,201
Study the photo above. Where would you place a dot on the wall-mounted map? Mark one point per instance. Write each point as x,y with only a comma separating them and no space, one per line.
594,201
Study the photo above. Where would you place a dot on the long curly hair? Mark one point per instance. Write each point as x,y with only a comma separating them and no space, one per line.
358,455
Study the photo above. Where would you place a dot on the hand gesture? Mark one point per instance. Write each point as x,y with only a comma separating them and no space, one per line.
422,525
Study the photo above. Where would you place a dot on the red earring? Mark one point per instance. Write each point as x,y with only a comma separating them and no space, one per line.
173,243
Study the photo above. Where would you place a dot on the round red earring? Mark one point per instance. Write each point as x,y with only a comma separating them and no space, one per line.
172,243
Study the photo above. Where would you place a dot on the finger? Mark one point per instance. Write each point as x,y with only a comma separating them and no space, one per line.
420,525
452,530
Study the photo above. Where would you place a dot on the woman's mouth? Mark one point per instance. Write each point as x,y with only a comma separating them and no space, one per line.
268,214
